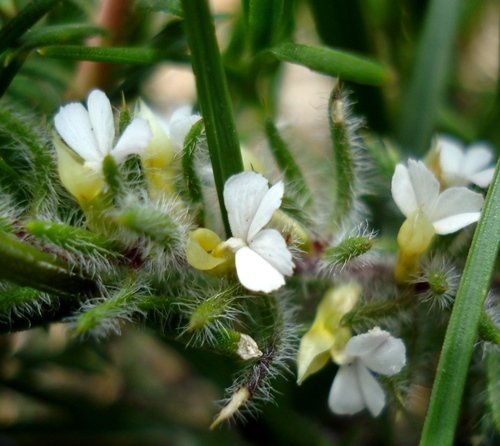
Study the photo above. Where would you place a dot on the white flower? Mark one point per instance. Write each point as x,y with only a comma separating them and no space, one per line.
91,132
261,255
354,387
416,190
460,167
180,124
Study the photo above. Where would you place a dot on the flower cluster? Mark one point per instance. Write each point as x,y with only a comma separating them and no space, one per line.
461,167
354,387
87,137
433,200
261,256
428,211
89,134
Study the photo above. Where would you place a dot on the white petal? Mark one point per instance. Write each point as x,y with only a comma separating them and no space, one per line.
101,118
255,273
271,246
73,124
483,178
425,184
270,202
388,358
450,155
373,394
363,344
452,224
243,194
402,190
180,124
133,140
477,157
455,208
345,396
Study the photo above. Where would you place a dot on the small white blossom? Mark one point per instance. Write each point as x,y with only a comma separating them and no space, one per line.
354,386
416,191
460,166
261,255
180,124
90,131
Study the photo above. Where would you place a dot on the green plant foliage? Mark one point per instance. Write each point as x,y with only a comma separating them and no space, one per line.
430,70
462,329
333,62
214,97
286,162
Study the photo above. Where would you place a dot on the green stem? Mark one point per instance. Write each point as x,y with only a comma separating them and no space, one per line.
442,416
213,96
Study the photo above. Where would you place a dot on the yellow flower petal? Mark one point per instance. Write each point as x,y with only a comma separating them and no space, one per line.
206,252
314,352
337,302
81,181
158,156
326,338
414,238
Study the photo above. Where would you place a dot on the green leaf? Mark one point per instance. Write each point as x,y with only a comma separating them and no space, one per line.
21,23
113,177
213,96
488,330
9,71
7,171
286,161
69,237
41,162
58,34
442,416
191,180
267,21
171,6
29,267
343,152
347,250
351,26
432,64
40,69
337,63
150,223
134,56
15,297
108,313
